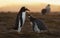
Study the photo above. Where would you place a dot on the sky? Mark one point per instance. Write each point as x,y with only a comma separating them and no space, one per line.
33,5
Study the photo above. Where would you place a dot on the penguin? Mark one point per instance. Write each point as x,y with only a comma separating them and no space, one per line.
37,24
20,19
46,10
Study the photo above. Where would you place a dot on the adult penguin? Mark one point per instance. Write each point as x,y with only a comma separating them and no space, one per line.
20,20
37,25
46,10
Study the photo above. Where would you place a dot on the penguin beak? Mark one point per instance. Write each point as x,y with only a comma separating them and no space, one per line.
27,9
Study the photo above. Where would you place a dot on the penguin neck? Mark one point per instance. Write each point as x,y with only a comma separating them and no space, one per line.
23,13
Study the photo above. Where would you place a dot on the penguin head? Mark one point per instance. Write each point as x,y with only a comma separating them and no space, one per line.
48,5
31,17
23,9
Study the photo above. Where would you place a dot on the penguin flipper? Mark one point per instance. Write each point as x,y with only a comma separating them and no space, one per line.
16,23
19,28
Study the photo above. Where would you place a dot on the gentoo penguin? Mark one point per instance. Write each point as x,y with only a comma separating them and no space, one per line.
20,20
46,10
37,25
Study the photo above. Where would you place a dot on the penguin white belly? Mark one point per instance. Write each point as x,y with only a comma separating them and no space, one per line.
19,28
23,16
36,28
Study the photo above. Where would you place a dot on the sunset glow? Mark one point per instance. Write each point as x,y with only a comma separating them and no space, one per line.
7,2
29,3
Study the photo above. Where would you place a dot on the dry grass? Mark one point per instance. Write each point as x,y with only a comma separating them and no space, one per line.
7,21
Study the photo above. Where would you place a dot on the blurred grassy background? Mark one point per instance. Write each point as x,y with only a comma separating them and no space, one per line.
7,21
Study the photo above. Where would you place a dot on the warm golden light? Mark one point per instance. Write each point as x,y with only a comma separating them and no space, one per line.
7,2
32,4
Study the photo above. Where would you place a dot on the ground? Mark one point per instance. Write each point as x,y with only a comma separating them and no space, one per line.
7,22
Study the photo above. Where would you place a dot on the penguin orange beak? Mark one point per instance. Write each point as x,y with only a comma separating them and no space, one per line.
27,9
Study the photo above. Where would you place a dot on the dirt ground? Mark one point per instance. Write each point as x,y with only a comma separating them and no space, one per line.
7,21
